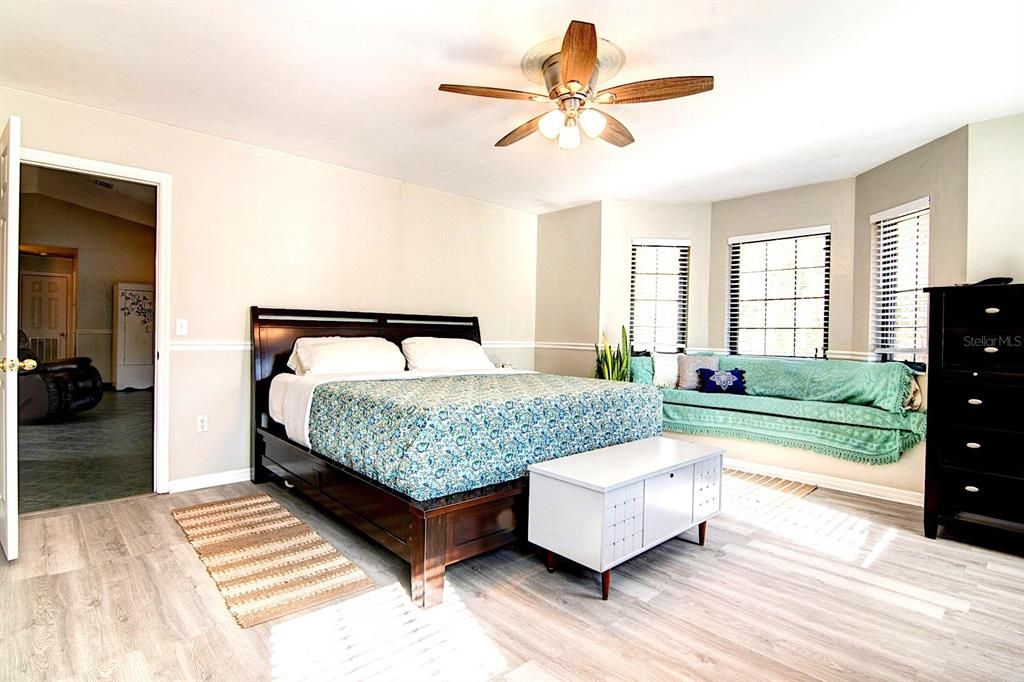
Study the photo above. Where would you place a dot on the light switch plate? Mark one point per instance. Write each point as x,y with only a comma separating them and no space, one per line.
181,327
202,423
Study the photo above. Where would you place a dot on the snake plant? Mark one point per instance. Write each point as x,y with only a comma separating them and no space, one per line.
613,363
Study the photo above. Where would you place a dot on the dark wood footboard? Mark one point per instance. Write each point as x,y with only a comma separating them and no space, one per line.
429,535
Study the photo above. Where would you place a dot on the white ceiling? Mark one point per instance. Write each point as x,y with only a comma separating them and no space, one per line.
804,91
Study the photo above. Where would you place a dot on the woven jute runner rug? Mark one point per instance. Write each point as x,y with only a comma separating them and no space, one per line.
265,562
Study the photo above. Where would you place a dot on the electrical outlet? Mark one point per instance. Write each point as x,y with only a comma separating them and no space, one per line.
181,327
202,423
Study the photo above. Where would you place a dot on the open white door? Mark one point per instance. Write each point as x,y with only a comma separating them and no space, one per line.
10,181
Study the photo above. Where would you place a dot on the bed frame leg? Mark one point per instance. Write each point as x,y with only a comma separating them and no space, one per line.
426,560
257,472
702,533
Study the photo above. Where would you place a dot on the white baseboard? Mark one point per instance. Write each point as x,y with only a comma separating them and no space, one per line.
845,485
180,485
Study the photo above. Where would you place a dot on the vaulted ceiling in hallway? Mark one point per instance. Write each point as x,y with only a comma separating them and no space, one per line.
804,92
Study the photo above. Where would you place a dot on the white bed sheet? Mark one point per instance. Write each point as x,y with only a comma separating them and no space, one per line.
291,396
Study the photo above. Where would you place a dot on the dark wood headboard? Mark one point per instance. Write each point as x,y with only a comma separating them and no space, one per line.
274,331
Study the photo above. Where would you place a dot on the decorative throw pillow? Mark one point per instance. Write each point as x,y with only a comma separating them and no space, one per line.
722,381
666,370
688,366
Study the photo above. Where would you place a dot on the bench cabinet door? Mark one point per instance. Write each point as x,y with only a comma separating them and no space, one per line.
668,504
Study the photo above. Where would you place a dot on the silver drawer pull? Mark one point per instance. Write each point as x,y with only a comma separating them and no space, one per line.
974,446
974,401
991,349
288,484
971,488
991,311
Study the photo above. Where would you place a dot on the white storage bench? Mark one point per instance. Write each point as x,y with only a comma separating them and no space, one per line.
602,507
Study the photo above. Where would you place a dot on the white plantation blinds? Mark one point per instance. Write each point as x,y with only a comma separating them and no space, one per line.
659,278
899,305
778,293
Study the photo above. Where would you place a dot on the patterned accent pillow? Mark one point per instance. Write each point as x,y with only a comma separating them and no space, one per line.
688,366
722,381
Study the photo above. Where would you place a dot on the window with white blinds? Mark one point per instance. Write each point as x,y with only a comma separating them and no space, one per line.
899,304
658,284
778,293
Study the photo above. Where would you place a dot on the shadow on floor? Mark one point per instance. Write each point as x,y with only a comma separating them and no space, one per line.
102,454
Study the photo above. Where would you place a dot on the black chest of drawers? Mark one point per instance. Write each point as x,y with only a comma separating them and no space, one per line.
974,471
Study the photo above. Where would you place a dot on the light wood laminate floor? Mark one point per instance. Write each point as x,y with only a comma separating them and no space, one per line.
832,586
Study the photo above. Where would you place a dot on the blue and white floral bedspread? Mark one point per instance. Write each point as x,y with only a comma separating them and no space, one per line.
436,436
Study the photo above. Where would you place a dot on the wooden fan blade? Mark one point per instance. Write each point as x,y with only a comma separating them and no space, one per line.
500,93
579,55
615,132
655,90
525,130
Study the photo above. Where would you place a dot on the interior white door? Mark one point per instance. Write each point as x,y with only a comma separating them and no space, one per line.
10,188
44,314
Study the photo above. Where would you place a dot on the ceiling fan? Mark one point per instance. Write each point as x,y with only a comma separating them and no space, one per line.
571,76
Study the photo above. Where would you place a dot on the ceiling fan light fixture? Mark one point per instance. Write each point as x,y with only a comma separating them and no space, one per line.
593,122
569,136
551,124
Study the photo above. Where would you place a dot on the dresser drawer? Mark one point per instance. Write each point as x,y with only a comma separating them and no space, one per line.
985,494
983,348
983,308
972,405
983,450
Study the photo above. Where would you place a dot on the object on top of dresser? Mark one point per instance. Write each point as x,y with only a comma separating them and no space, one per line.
991,281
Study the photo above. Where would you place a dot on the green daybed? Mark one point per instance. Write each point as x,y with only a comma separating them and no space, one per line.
850,410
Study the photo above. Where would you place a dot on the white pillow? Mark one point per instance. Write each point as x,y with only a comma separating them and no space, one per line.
428,352
293,359
666,370
341,355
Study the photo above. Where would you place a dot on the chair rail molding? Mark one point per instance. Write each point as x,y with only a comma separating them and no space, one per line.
563,345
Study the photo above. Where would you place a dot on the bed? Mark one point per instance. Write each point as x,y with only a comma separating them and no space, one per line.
429,465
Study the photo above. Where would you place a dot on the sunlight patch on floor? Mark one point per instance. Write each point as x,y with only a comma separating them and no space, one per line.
382,635
797,519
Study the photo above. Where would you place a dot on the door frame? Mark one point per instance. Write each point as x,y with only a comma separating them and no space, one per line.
69,321
162,370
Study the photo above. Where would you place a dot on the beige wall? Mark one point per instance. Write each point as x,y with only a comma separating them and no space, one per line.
995,198
256,226
110,250
583,257
827,203
624,221
568,289
937,170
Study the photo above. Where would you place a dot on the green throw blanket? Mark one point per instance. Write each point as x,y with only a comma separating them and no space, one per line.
850,410
885,385
852,432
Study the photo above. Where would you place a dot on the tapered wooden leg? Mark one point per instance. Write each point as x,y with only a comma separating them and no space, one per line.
426,561
702,532
606,584
549,561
